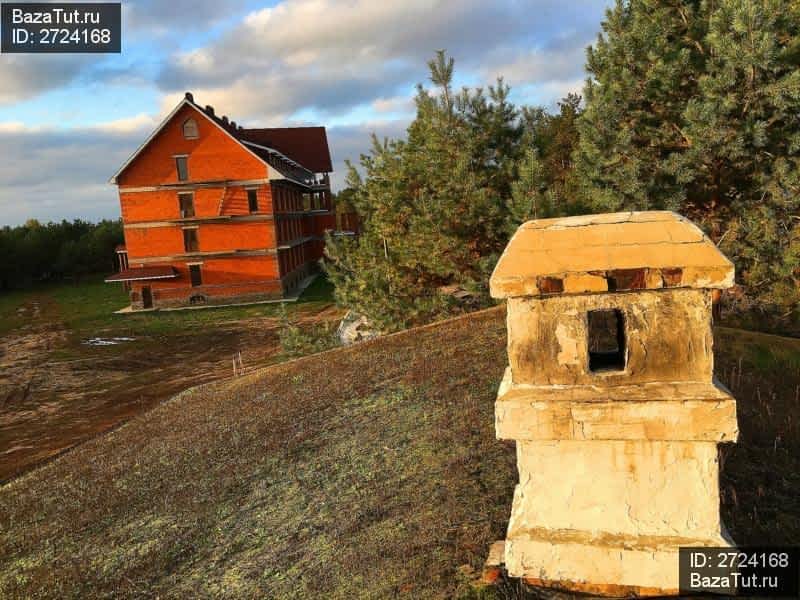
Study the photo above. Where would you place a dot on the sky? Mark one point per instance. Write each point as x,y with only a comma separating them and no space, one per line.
67,122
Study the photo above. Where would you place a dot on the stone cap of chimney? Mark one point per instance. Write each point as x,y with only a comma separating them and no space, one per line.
609,253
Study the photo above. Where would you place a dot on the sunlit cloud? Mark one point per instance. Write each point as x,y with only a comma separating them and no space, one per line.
350,65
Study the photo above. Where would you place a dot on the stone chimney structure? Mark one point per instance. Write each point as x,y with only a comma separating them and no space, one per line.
611,399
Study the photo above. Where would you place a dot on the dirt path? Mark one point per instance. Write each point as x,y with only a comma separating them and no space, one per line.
57,391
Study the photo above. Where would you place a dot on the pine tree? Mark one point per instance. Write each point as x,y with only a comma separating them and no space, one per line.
546,183
692,106
530,198
433,206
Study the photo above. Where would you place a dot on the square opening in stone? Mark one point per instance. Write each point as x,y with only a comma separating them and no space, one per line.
606,340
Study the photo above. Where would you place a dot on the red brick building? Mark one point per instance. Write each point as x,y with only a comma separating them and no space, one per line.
214,213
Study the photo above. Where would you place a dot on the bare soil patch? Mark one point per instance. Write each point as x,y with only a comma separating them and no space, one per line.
57,391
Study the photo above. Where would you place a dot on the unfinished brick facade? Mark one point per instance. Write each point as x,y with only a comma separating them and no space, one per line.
213,217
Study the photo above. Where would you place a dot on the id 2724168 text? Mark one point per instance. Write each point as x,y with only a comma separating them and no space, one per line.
60,27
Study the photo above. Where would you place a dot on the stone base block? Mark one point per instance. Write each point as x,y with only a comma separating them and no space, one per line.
674,411
610,516
601,564
630,488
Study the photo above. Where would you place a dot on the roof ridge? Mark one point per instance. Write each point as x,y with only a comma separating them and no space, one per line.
289,127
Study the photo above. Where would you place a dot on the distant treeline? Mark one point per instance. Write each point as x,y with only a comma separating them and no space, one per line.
37,252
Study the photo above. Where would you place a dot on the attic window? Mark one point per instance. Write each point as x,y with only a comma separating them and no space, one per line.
190,130
606,340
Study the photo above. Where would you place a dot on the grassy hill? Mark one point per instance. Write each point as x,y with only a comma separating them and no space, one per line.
365,472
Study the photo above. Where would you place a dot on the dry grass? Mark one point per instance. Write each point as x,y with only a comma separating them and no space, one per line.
366,472
761,474
363,472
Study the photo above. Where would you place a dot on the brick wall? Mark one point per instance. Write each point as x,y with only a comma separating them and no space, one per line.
214,159
141,207
223,280
215,155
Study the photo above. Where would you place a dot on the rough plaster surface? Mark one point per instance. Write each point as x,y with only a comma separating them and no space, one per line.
611,513
661,248
548,338
638,488
617,468
571,564
674,411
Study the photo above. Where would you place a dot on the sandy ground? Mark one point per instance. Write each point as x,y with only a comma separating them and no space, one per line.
49,404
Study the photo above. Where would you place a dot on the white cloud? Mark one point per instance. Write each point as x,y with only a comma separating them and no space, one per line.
330,56
553,91
360,30
349,142
161,17
539,65
270,98
396,104
23,76
54,174
138,123
12,127
298,60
